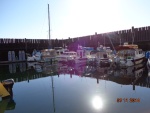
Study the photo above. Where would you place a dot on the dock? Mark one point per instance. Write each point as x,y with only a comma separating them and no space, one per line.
9,62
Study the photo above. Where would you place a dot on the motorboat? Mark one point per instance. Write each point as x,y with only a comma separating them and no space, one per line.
48,55
102,56
60,50
45,55
6,88
8,83
36,56
129,55
80,56
83,54
66,57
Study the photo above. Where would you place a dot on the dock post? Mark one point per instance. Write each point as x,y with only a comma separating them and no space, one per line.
26,44
13,55
9,56
23,55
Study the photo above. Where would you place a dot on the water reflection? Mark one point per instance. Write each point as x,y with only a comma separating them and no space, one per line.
132,75
73,92
97,102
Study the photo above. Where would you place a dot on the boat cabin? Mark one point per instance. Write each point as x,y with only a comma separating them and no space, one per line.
130,53
70,53
82,52
48,52
60,50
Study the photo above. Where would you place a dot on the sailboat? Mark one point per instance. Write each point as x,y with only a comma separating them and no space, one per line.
45,55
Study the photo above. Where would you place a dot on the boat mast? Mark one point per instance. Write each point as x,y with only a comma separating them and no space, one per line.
49,43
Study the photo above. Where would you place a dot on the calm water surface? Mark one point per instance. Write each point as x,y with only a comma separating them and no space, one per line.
75,89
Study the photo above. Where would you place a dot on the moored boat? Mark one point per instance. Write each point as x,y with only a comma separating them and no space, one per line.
8,83
60,50
80,56
129,55
67,57
102,56
45,55
48,55
36,56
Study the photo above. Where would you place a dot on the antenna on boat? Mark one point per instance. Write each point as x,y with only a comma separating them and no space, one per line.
133,34
49,43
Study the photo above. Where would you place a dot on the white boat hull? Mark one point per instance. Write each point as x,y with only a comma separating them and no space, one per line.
131,62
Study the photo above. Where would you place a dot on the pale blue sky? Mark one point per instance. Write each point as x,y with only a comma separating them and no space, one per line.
70,18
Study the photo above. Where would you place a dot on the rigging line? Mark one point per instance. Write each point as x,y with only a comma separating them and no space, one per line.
111,43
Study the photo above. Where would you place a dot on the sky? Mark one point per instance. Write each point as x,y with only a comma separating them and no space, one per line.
70,18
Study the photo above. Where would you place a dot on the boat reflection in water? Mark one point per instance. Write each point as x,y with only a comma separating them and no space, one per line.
76,69
124,76
119,75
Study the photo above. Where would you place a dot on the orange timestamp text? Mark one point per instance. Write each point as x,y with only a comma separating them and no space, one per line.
130,100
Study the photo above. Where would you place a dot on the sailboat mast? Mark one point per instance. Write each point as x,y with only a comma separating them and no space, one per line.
49,27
